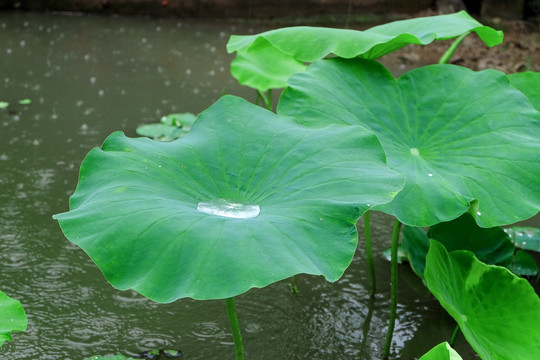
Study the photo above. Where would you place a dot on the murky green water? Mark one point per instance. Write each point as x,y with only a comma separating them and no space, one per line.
90,76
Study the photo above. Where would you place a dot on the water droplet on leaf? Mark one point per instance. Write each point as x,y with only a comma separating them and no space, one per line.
225,208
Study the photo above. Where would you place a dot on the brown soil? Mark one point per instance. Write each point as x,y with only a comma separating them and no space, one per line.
520,50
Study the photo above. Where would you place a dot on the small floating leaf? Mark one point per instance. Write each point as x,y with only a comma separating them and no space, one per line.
442,351
110,357
498,312
468,141
136,210
161,132
3,104
183,120
25,101
12,317
401,257
265,61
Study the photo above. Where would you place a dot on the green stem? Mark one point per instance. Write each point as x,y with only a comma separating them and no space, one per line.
267,99
445,59
393,288
454,336
367,325
369,252
294,285
235,327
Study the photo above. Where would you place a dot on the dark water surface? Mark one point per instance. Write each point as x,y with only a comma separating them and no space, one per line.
90,76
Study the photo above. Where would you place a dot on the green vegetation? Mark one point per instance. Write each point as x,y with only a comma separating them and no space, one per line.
250,197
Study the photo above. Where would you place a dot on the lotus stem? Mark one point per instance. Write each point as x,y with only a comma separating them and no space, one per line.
454,336
369,252
235,327
393,288
367,325
294,285
266,99
445,59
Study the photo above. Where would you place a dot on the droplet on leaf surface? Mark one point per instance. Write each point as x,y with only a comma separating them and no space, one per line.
225,208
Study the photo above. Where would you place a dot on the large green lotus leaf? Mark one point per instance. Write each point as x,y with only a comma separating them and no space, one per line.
12,317
443,351
267,60
245,199
468,141
498,312
528,83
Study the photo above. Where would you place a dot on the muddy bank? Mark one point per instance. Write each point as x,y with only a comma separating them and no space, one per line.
323,10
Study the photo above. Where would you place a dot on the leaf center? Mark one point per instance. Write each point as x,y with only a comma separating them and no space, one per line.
230,209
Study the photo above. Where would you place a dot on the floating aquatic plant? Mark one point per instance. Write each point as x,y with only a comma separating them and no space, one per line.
12,317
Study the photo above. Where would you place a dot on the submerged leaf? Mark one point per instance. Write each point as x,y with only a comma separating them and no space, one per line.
498,312
265,61
442,351
467,141
3,104
152,215
12,317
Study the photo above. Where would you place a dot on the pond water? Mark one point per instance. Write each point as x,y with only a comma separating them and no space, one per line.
89,76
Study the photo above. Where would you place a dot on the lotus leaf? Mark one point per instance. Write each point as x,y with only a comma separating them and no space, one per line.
183,120
245,199
523,264
442,351
265,61
415,243
498,312
161,132
490,245
467,141
526,238
527,82
112,357
12,317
